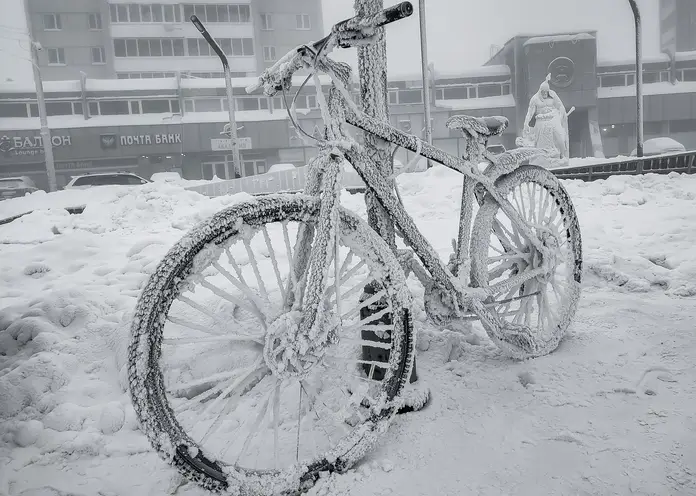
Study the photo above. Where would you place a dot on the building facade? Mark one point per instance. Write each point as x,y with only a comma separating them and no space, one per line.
143,39
175,123
677,26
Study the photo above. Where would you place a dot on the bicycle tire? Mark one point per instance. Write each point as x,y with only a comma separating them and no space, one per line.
147,385
545,340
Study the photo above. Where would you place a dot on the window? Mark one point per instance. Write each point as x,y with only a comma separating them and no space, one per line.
486,90
134,13
56,56
146,13
236,47
95,21
59,108
149,47
682,126
120,48
411,96
612,80
123,13
52,22
247,103
113,107
98,55
143,47
269,53
131,48
155,106
266,22
219,13
13,110
178,47
455,93
303,21
134,107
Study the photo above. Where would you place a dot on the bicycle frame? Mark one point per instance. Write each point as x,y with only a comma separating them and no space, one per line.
375,182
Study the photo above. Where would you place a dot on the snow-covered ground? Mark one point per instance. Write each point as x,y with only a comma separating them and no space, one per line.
612,411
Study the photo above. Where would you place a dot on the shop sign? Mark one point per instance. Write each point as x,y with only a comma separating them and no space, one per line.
225,144
149,139
29,145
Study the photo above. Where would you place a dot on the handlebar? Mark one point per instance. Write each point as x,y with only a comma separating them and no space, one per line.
280,74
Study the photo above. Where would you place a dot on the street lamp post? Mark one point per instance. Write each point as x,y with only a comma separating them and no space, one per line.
45,131
426,79
639,79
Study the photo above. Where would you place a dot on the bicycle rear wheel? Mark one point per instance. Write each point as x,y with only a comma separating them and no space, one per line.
225,387
544,305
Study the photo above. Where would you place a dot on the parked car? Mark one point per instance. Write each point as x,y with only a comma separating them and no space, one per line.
660,146
166,177
106,179
13,187
280,167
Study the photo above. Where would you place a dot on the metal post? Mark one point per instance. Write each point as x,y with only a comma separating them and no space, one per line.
230,94
639,79
372,66
45,131
426,79
374,98
233,121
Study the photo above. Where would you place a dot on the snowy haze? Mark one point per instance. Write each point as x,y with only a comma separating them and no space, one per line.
460,32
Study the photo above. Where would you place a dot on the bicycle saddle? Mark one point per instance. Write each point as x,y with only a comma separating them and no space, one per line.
483,126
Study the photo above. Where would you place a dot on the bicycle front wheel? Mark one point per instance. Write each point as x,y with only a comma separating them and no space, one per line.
227,388
544,305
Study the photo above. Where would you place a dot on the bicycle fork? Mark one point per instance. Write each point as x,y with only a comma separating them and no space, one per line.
316,246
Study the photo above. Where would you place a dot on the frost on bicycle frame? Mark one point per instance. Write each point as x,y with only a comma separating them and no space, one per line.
449,296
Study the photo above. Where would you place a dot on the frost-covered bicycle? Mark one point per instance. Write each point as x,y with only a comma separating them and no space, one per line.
273,341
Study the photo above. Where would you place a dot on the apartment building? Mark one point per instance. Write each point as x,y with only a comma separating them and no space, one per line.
140,39
677,26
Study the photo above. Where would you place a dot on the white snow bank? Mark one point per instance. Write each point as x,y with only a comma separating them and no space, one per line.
69,283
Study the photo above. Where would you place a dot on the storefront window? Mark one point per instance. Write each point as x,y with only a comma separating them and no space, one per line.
155,106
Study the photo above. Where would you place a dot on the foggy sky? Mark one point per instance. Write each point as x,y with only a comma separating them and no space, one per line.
460,32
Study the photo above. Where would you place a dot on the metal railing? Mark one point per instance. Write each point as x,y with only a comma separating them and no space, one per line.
287,181
660,164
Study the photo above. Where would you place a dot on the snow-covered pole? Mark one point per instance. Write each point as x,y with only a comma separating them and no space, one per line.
639,78
372,68
45,132
230,94
424,69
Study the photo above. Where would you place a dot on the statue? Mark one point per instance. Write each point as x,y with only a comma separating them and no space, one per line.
550,133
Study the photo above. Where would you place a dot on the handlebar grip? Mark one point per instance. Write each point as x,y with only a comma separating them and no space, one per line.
386,16
395,13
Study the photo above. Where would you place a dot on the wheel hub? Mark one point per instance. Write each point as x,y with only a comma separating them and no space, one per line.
288,352
548,259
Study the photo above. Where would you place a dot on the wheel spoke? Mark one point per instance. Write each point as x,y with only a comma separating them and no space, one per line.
192,325
203,310
255,268
364,304
364,323
246,290
257,367
257,423
274,261
276,419
237,269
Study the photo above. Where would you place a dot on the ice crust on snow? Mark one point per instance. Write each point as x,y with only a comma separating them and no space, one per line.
66,301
